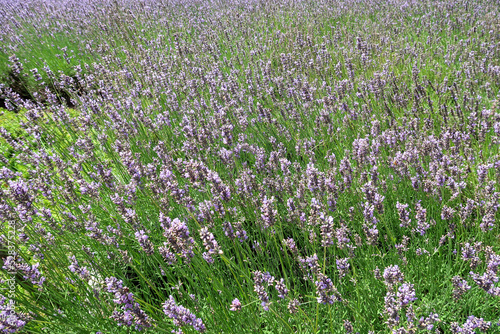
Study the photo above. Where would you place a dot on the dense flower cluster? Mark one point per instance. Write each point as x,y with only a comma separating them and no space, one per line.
74,267
460,286
179,242
13,264
210,244
10,320
181,316
130,312
144,241
487,280
400,298
259,279
470,325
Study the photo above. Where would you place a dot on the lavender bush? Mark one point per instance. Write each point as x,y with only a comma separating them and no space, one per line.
249,166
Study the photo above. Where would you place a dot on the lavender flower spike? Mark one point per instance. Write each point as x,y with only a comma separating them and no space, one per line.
182,316
235,305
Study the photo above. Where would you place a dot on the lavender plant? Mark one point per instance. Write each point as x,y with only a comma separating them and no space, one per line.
249,166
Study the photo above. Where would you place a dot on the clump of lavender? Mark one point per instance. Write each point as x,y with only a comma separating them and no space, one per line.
342,236
293,306
391,309
370,224
281,288
394,300
290,244
259,279
488,280
235,305
327,232
402,248
13,264
447,213
428,322
470,253
343,266
181,316
74,267
210,244
470,325
421,217
406,294
325,290
348,327
179,242
10,320
146,244
460,286
392,276
311,263
235,230
268,212
212,112
404,214
400,299
130,312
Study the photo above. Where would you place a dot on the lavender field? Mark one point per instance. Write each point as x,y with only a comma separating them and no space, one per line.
249,166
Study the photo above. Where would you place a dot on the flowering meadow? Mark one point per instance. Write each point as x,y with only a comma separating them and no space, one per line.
249,166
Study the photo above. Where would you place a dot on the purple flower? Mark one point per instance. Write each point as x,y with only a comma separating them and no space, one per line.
406,294
144,241
281,288
75,268
310,262
469,253
342,236
470,325
404,214
235,305
460,286
179,242
392,275
488,280
348,327
343,266
259,279
10,320
130,312
327,232
268,211
210,244
447,213
428,323
325,290
181,316
235,231
293,306
290,244
392,308
421,216
31,273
